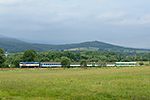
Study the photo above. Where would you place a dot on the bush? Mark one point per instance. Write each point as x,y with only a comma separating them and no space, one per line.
141,63
12,66
65,62
4,65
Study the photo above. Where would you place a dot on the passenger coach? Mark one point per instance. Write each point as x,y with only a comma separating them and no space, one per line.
50,64
126,64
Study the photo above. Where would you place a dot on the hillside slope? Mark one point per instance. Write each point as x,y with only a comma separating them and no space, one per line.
13,46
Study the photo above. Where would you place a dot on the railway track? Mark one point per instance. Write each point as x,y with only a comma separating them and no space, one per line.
20,68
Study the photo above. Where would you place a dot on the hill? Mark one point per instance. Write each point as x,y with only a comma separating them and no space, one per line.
12,45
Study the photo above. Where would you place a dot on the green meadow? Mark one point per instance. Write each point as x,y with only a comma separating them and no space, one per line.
111,83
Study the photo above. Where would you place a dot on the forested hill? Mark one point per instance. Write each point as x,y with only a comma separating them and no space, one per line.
14,46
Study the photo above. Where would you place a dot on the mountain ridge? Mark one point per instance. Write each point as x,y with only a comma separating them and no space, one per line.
12,45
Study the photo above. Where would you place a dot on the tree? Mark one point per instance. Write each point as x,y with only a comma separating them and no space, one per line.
120,57
45,59
57,60
102,64
2,58
94,60
65,62
78,56
141,63
135,57
16,62
29,56
107,60
107,55
83,63
113,60
126,60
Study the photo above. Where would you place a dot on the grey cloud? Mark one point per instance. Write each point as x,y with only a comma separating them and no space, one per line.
68,21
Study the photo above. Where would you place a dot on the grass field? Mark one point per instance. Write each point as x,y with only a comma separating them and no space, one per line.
115,83
84,49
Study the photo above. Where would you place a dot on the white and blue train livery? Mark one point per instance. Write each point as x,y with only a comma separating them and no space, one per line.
29,64
50,64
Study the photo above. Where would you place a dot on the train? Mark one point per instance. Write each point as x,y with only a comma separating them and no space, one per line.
39,64
73,64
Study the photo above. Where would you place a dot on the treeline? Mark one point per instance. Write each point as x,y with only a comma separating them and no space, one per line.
12,60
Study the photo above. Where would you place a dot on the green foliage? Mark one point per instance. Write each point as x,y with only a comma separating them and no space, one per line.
126,60
12,66
113,60
65,62
94,60
2,58
57,60
4,65
29,56
45,59
107,60
16,62
11,59
101,64
83,63
120,56
90,56
141,63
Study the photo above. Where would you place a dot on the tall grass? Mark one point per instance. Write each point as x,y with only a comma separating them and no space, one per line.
76,84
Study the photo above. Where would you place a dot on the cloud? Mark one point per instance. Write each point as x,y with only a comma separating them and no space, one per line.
145,20
89,19
107,16
6,2
10,2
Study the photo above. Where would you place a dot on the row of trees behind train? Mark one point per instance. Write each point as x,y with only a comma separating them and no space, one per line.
12,60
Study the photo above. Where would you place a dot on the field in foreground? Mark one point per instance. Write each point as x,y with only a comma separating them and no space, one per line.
76,84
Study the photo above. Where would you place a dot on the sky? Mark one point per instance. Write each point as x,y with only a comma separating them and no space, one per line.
119,22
